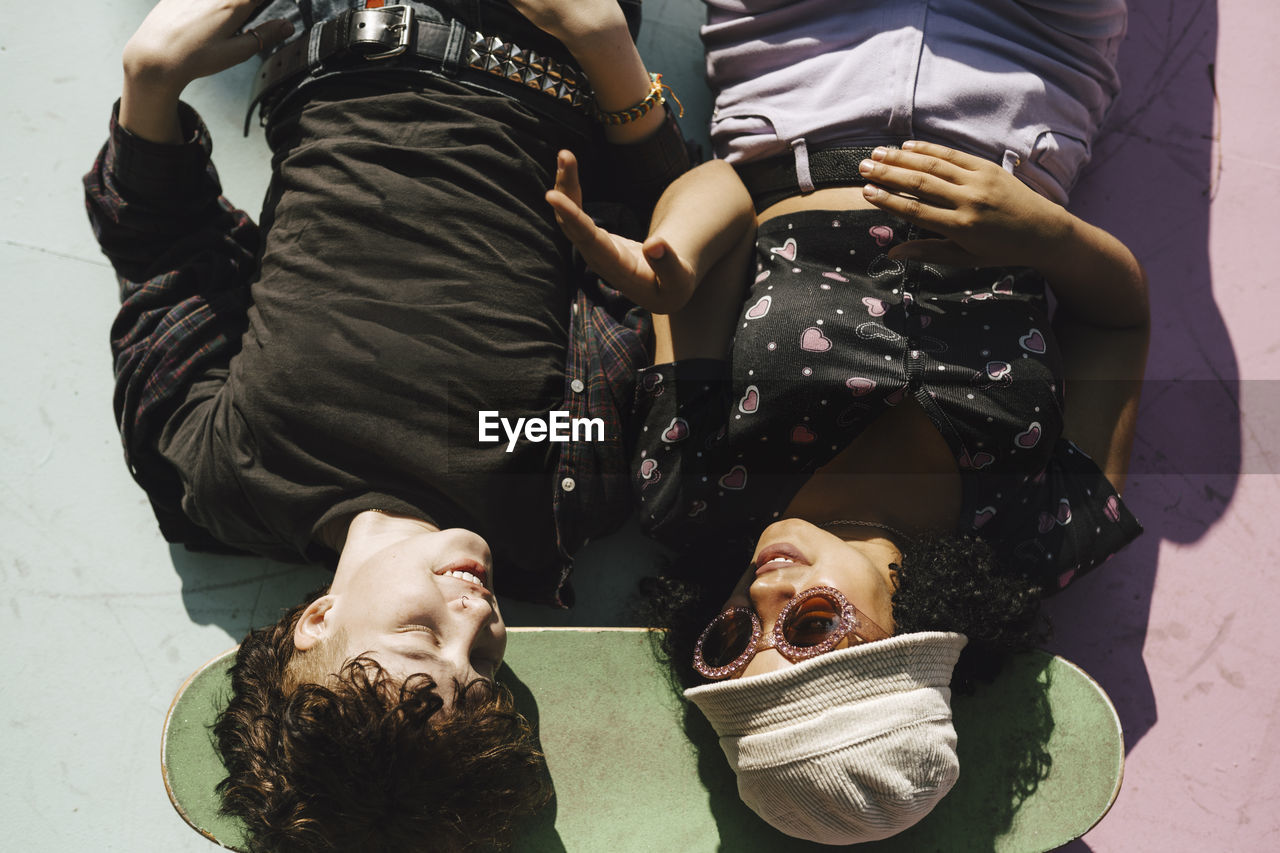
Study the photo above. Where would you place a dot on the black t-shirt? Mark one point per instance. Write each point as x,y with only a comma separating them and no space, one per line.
412,275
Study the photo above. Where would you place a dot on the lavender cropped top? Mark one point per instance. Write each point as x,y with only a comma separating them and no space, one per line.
1024,83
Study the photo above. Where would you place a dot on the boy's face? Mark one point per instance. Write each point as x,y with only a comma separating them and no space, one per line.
415,599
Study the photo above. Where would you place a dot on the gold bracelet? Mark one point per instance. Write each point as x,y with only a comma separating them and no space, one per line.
653,99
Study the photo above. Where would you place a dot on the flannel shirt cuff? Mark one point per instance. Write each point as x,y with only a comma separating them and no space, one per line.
156,170
649,166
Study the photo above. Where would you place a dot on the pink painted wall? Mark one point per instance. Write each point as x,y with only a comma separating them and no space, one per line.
1181,629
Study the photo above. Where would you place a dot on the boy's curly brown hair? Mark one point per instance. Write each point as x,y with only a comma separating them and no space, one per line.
362,764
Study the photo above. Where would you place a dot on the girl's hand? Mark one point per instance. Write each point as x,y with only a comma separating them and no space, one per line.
987,216
181,40
649,273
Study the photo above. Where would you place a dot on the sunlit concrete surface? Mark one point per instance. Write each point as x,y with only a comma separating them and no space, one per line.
101,620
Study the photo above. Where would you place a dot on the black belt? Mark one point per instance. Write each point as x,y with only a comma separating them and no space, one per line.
362,39
770,181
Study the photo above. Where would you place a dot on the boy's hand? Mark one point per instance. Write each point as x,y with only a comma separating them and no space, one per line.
649,273
181,40
986,215
572,22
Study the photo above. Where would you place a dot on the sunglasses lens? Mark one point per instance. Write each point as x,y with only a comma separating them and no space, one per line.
726,640
814,621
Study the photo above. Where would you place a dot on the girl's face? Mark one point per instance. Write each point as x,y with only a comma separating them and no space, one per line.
793,555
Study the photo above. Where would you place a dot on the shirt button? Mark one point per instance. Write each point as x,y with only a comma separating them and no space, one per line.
568,484
577,386
915,353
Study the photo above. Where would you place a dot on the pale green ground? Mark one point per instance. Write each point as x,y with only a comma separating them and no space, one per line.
101,619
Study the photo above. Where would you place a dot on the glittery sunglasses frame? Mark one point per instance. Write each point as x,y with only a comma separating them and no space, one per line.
853,623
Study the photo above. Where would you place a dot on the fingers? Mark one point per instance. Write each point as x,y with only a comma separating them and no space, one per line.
567,181
673,276
923,212
572,219
925,177
237,48
269,34
958,158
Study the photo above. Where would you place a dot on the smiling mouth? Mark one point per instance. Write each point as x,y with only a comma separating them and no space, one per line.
467,570
464,575
779,555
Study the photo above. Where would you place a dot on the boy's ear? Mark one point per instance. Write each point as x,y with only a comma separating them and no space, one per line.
313,626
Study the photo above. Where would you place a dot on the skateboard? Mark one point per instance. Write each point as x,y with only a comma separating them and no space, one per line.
636,769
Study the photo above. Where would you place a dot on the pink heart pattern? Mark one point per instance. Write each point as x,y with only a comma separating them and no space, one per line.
1064,512
812,340
875,307
982,516
649,469
750,401
885,265
874,331
997,370
1033,341
835,276
1112,508
677,430
762,275
1065,578
979,460
735,480
652,381
1004,286
882,234
860,385
761,308
1029,437
801,434
786,250
696,508
1062,517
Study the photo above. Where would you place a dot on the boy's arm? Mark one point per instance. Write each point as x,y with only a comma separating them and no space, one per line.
596,33
183,255
179,41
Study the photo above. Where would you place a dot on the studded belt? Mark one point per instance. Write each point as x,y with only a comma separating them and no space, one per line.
362,39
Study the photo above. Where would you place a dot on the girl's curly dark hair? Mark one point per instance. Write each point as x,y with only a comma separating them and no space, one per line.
945,583
361,763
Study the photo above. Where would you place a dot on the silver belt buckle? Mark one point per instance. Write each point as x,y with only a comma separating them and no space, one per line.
388,25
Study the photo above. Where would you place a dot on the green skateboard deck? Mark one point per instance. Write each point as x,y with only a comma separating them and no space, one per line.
1041,756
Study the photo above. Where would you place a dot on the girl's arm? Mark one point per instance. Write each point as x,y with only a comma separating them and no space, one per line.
693,265
989,218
